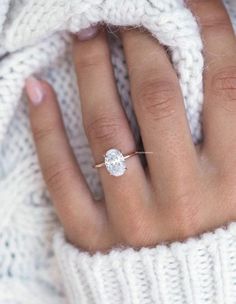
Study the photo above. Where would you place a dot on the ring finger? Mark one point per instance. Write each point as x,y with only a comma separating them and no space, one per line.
107,127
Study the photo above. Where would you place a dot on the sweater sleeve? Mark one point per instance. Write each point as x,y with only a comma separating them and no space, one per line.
199,270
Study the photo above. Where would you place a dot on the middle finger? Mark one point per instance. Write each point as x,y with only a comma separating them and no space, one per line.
160,111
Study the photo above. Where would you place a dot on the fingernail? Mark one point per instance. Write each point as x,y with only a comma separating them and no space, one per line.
34,90
87,33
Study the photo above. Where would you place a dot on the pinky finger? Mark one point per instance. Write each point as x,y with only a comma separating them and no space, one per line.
71,196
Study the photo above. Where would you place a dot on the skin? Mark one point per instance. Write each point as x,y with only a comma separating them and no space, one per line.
186,190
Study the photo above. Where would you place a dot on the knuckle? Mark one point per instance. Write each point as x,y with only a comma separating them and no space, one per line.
215,22
157,98
185,216
42,132
91,243
56,176
104,129
138,233
210,21
224,88
90,60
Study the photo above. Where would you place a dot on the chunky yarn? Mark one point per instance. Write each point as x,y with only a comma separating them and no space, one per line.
34,39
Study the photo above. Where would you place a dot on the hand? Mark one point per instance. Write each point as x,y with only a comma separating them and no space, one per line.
186,190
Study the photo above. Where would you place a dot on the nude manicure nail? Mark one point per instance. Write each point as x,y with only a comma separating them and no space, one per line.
87,33
34,90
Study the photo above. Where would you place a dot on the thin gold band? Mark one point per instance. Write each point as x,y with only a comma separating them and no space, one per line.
100,165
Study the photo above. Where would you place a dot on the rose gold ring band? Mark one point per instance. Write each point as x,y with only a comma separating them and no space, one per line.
102,164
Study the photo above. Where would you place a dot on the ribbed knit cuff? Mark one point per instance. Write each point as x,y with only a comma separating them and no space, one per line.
200,270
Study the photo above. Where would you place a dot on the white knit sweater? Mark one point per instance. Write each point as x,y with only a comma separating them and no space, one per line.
36,263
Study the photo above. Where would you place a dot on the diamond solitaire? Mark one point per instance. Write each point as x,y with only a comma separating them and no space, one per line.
114,161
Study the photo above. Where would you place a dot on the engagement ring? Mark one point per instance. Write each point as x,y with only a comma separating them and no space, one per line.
115,161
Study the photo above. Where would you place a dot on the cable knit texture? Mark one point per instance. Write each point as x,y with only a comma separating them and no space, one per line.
34,40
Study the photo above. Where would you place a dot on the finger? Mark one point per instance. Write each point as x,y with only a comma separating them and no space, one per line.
70,193
159,108
87,33
219,113
107,127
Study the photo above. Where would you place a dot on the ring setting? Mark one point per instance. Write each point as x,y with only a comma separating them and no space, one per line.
115,161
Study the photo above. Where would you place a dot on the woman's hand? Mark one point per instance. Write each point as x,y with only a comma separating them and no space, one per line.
186,191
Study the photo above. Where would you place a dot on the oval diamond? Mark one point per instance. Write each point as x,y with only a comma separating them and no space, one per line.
115,162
